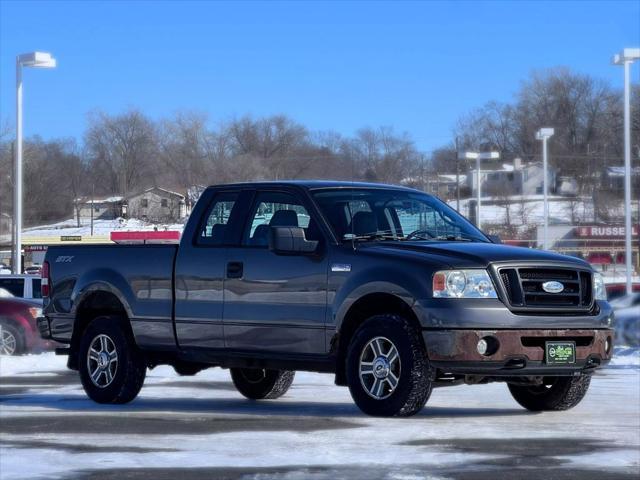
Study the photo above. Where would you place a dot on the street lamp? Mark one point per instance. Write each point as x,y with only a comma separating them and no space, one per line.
626,58
35,60
477,156
545,134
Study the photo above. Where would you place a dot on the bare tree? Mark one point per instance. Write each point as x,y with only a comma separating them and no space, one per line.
121,150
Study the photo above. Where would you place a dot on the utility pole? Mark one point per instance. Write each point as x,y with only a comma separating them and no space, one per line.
93,188
457,176
544,134
625,59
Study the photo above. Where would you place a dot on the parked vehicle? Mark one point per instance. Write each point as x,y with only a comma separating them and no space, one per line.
4,270
386,287
33,270
627,323
619,289
23,286
627,319
18,330
626,301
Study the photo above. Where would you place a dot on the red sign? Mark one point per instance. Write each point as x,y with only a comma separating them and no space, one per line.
35,248
146,236
606,232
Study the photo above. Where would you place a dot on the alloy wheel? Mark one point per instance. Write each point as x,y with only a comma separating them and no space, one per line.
8,342
379,368
102,361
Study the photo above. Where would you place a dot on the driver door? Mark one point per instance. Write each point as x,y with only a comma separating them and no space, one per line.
273,302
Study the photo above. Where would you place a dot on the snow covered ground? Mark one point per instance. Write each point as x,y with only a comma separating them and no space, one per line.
195,427
100,227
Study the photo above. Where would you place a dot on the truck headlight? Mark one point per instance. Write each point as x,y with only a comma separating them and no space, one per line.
599,290
463,284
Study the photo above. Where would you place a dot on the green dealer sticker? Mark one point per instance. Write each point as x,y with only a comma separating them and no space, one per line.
560,353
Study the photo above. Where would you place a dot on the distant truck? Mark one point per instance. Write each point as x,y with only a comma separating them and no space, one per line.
386,287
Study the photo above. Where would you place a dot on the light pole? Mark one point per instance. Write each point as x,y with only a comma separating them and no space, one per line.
545,134
626,58
477,156
36,60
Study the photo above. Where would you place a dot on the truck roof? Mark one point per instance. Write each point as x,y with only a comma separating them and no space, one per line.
315,184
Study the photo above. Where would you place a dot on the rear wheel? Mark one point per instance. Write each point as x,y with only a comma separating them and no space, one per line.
112,368
11,339
259,383
387,368
555,393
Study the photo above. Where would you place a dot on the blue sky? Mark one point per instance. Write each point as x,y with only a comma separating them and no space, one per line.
329,65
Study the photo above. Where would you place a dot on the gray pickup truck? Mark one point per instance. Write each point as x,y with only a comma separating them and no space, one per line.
386,287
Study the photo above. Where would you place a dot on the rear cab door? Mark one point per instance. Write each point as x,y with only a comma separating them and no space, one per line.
201,266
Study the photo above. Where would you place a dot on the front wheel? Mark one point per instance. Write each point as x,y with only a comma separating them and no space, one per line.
112,368
555,393
260,383
387,368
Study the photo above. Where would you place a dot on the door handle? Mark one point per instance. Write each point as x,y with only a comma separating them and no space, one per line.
234,269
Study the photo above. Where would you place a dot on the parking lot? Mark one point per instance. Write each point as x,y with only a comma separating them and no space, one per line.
187,427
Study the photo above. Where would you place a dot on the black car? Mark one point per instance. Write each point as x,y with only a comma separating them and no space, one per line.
386,287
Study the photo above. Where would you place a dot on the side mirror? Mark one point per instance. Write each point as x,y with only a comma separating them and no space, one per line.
495,238
290,241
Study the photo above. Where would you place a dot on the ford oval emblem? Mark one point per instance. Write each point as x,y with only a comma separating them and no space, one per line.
552,287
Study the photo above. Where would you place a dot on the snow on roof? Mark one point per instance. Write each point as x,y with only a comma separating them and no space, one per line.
113,199
452,177
617,171
157,188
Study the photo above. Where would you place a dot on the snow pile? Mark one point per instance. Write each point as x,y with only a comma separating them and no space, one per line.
624,356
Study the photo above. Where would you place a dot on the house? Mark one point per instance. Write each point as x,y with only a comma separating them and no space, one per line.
612,178
100,208
440,185
157,205
516,179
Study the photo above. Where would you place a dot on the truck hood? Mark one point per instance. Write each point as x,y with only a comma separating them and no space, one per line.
473,254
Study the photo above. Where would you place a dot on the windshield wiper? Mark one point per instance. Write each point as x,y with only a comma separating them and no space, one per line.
454,238
379,235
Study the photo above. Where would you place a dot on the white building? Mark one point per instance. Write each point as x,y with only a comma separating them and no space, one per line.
100,208
516,179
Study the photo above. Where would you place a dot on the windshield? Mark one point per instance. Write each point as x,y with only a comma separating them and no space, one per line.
386,214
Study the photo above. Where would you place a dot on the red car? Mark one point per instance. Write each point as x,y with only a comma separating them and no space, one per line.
18,330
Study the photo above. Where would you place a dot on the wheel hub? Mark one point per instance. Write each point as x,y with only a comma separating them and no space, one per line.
103,360
381,368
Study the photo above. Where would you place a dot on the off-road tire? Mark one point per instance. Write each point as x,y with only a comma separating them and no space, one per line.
414,385
558,393
18,334
262,384
131,368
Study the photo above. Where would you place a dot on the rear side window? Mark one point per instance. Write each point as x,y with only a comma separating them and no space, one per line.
275,209
213,228
15,286
35,286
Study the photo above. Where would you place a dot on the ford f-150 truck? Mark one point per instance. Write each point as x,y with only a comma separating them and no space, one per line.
386,287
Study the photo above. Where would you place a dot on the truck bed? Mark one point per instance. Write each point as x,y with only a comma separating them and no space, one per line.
141,276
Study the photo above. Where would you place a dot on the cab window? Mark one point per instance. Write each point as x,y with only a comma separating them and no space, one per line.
213,228
276,209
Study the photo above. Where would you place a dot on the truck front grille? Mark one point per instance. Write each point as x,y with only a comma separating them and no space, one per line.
524,288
